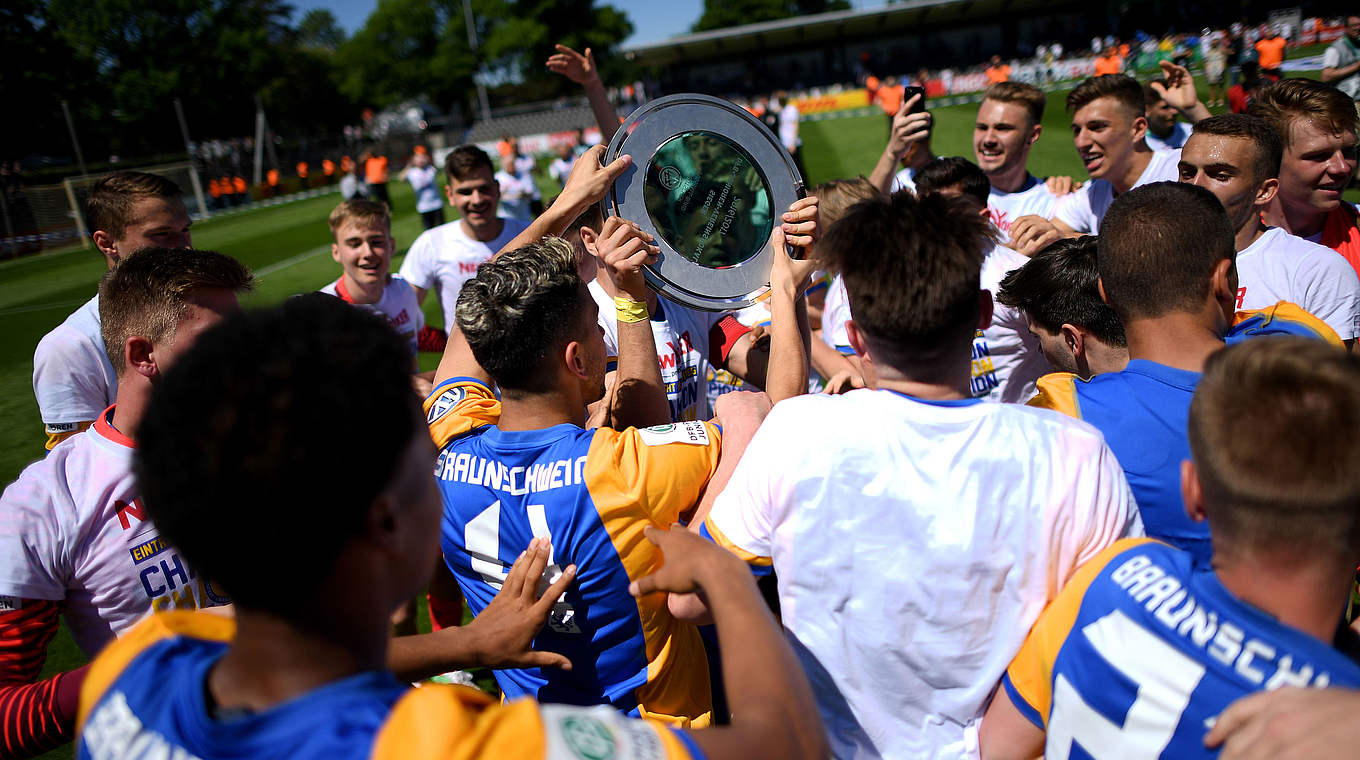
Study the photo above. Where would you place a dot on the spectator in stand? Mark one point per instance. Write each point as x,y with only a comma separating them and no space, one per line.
1341,60
1109,62
1316,122
997,71
302,171
238,183
1270,53
327,170
420,173
271,180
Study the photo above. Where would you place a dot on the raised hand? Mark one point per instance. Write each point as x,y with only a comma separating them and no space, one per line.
624,249
908,127
578,67
688,562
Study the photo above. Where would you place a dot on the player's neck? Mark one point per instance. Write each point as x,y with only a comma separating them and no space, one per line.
537,411
946,384
1011,179
271,661
485,233
134,392
1304,221
1301,593
1181,340
369,293
1250,233
1138,163
607,285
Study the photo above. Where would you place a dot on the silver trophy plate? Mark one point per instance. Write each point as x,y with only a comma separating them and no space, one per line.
709,182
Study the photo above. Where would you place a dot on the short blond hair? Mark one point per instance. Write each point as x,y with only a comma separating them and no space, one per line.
148,292
1272,433
363,212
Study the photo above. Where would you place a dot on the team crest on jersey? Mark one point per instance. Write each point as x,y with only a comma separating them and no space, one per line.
683,432
588,738
446,401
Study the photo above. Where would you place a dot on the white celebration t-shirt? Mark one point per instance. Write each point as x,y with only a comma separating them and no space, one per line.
681,336
445,257
1284,267
73,529
1032,199
1084,209
915,545
72,377
1007,360
398,306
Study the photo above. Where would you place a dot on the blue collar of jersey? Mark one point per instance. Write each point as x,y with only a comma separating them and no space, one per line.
518,438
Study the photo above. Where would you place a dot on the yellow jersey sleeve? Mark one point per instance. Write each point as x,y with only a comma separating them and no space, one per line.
458,406
439,721
1031,672
1057,391
662,469
155,628
55,437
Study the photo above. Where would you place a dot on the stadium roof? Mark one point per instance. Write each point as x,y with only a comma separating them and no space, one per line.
823,27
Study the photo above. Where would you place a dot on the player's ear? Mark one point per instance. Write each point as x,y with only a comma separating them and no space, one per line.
1266,191
1191,492
1034,134
591,240
139,355
1100,285
855,337
335,252
1073,338
574,359
104,242
1224,285
985,306
1139,127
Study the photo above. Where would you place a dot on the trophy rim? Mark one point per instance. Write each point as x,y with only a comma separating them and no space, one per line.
674,276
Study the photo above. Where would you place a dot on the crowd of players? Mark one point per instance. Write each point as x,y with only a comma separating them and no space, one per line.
1146,559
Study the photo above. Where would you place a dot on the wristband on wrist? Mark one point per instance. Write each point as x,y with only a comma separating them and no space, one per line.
627,310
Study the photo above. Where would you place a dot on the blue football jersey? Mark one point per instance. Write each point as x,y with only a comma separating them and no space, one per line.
1143,411
592,492
145,696
1144,649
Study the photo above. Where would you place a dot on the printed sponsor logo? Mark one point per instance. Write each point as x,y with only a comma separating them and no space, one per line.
588,738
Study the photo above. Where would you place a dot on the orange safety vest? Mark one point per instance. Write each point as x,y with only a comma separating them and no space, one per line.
241,186
1341,233
375,170
327,167
272,177
302,169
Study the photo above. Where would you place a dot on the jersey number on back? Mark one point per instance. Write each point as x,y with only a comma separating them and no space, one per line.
482,537
1164,676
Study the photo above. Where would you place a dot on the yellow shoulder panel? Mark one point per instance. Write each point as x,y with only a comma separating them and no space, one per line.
459,406
1031,672
722,540
1291,312
1057,391
163,625
440,721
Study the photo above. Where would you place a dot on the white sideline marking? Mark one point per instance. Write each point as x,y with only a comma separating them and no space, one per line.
264,272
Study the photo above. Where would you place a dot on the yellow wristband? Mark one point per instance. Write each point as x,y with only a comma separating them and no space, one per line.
628,310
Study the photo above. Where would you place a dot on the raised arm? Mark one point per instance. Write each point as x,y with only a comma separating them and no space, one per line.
907,128
587,184
790,334
773,712
580,68
639,397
